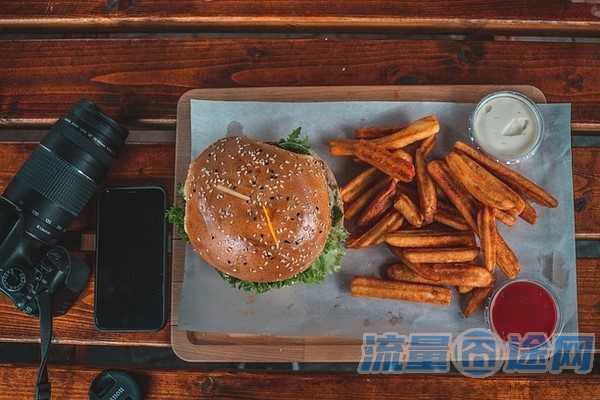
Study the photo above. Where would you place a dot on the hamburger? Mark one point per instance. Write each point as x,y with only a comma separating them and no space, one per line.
264,215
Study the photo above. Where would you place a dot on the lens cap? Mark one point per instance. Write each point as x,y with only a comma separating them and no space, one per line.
115,385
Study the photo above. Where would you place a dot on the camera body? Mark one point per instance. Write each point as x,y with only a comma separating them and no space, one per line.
28,267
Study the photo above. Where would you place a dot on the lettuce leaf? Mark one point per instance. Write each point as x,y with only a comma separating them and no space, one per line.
176,216
295,143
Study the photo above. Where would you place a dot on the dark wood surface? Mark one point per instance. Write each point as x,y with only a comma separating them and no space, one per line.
138,165
73,382
425,15
153,164
141,79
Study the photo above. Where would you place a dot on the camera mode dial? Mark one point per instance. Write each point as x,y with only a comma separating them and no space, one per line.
14,279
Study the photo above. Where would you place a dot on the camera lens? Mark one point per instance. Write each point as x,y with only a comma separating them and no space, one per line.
62,174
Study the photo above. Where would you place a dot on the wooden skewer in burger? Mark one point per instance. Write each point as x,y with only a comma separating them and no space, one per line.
264,209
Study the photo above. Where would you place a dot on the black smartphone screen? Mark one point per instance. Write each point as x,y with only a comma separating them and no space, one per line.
130,259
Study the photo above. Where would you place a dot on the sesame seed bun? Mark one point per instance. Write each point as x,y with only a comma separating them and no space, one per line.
232,234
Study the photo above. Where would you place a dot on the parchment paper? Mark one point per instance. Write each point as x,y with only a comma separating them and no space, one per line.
546,250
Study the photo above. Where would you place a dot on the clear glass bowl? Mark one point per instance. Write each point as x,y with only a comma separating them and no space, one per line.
528,103
488,309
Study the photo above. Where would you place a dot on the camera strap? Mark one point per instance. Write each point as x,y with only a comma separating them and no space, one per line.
45,312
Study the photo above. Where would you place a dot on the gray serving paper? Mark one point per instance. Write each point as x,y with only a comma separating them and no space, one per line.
546,250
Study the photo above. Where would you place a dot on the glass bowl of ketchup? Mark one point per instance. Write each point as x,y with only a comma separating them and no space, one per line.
523,306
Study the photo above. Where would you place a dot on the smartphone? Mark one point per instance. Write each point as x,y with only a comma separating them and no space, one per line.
131,259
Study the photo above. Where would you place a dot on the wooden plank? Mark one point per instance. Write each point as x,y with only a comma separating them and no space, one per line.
588,296
586,185
72,382
76,327
148,164
153,164
138,165
549,16
140,80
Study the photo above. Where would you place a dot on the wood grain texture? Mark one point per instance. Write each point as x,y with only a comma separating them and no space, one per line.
148,164
426,15
588,296
586,177
140,80
154,164
138,165
70,382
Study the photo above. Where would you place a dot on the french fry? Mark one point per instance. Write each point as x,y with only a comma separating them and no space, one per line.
374,235
403,154
506,258
359,184
391,164
505,217
419,269
373,132
391,227
512,178
470,202
467,275
529,214
425,188
363,199
475,299
516,197
345,147
441,255
464,289
396,225
452,191
409,210
482,185
354,240
427,145
451,220
429,239
447,274
376,288
341,147
400,272
418,130
487,234
379,205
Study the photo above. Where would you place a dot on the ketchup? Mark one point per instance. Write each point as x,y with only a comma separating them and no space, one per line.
523,307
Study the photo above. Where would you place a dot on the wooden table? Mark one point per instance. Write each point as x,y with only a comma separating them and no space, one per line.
94,49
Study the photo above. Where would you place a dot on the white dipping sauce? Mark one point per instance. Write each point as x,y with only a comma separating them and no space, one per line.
506,127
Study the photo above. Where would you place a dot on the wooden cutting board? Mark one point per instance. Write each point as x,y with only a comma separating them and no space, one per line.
235,347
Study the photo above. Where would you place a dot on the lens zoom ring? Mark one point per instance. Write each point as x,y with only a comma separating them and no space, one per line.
57,180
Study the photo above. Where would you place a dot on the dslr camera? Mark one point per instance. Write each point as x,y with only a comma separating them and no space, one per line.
47,193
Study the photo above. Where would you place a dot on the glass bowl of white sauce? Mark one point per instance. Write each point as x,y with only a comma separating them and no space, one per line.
507,125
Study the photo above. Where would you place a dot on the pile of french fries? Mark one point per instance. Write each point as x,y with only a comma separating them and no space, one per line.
438,217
